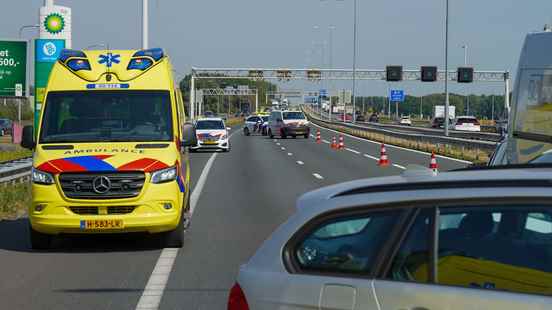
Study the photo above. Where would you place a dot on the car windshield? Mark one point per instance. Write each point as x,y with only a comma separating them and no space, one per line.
293,115
107,116
209,124
265,118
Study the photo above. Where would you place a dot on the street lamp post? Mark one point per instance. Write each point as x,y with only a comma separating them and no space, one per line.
354,58
145,22
447,99
330,28
465,47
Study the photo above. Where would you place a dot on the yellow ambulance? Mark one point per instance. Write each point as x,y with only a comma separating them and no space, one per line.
110,150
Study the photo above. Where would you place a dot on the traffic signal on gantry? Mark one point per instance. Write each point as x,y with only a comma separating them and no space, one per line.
428,74
465,75
394,73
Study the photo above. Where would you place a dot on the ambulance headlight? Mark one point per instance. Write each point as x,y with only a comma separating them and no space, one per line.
164,175
78,64
41,177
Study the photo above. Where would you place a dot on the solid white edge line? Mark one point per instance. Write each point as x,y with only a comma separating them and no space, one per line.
316,175
157,282
394,146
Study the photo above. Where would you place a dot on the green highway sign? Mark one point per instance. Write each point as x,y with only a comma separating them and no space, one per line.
13,67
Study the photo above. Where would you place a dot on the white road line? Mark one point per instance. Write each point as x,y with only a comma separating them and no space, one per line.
371,157
277,143
316,175
399,166
326,141
283,148
275,140
353,151
394,146
153,292
300,163
290,154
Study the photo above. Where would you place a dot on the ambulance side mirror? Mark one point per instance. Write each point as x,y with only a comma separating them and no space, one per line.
189,137
27,140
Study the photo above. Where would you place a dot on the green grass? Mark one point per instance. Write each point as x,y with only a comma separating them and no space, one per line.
14,200
234,121
16,153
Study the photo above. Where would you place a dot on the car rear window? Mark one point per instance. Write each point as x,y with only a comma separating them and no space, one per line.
294,115
468,121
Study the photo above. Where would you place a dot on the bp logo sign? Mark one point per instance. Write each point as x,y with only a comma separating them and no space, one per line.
54,23
49,49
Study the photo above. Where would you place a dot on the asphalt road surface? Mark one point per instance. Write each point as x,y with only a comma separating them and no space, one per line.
247,193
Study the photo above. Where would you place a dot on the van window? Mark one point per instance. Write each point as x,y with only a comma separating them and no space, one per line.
110,116
534,102
209,124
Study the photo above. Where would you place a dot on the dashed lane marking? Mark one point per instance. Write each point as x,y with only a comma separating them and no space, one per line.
352,151
316,175
399,166
371,157
300,163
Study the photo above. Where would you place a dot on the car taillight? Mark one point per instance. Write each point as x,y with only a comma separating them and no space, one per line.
236,300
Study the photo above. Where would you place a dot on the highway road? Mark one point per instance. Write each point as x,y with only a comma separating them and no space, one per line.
246,194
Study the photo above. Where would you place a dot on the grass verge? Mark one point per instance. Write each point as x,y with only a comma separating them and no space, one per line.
11,152
14,200
234,121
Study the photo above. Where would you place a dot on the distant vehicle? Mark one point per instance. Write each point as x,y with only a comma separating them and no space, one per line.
252,124
208,114
375,244
467,123
374,118
345,118
288,124
439,122
501,126
439,112
405,120
212,134
360,118
5,126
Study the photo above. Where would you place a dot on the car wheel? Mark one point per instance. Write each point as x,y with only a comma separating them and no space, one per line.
174,238
40,241
246,131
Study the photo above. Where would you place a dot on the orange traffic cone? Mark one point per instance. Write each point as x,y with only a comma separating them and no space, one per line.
433,163
341,143
334,144
318,136
384,160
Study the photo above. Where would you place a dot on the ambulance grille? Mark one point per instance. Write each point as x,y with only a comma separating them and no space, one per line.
114,185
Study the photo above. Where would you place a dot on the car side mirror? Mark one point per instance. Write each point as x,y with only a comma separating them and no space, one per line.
28,141
189,137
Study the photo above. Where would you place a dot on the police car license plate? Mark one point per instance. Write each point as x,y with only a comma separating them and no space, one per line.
101,224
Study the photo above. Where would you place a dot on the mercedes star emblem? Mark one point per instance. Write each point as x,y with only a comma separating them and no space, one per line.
101,184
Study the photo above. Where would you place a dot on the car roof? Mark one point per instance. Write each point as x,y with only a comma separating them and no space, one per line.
420,183
210,119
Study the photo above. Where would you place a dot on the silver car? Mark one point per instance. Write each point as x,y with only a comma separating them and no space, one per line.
461,240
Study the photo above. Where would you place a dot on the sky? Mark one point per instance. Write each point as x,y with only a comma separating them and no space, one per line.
283,33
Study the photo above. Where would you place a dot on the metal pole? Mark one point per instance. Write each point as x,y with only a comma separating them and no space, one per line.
421,110
145,21
192,97
257,101
354,60
507,92
466,64
447,99
492,107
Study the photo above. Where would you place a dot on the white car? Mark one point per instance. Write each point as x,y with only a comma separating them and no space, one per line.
405,120
392,243
467,123
211,134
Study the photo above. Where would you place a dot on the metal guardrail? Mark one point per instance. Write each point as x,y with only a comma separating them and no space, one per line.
15,170
412,136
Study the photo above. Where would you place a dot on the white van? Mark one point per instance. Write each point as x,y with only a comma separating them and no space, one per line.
288,124
529,137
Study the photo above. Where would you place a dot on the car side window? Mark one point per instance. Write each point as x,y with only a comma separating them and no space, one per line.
345,245
506,249
411,263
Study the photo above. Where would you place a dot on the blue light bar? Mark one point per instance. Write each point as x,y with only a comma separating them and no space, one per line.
67,53
155,53
140,64
78,64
